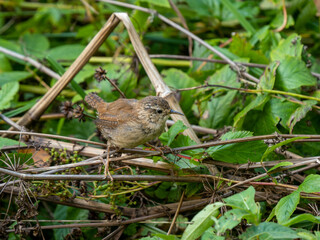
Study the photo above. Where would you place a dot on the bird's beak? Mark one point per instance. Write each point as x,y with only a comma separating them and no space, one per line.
176,112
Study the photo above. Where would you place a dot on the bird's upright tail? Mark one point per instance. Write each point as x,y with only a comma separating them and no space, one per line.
94,100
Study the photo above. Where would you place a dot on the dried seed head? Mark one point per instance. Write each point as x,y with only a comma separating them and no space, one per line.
78,113
67,109
100,74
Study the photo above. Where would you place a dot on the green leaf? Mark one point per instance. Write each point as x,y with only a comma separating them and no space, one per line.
15,76
282,164
66,52
7,93
9,142
293,73
247,26
269,230
300,113
310,184
35,44
269,76
286,206
217,110
69,213
238,152
160,3
243,49
281,109
302,218
272,148
229,220
210,234
177,79
287,47
175,129
5,65
245,201
26,106
259,101
202,221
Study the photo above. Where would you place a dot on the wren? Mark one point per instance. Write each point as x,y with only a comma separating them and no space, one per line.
127,123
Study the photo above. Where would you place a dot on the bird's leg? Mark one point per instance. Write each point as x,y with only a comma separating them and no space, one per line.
106,164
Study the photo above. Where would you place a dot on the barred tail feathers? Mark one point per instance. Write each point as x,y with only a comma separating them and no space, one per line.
94,100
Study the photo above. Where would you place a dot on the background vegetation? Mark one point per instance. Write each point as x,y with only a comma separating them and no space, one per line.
268,184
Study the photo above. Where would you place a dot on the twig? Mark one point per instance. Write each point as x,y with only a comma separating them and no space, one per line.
176,214
285,17
184,24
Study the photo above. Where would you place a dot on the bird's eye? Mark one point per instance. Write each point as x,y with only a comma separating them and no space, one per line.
159,111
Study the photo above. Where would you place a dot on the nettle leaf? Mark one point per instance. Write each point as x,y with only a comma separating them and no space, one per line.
7,93
174,130
35,44
261,122
15,76
282,109
245,201
293,73
66,52
238,152
202,221
300,113
258,102
177,79
269,230
287,47
244,49
286,206
310,184
217,109
269,76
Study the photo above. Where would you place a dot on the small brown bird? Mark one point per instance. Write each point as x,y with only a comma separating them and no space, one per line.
127,123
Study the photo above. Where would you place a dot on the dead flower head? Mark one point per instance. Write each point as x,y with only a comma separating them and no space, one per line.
100,74
78,113
67,109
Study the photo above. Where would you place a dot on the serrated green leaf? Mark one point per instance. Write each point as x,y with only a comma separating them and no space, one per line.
300,113
259,101
245,201
7,93
287,47
293,73
202,221
35,44
282,164
175,129
268,78
15,76
238,152
310,184
286,206
270,231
